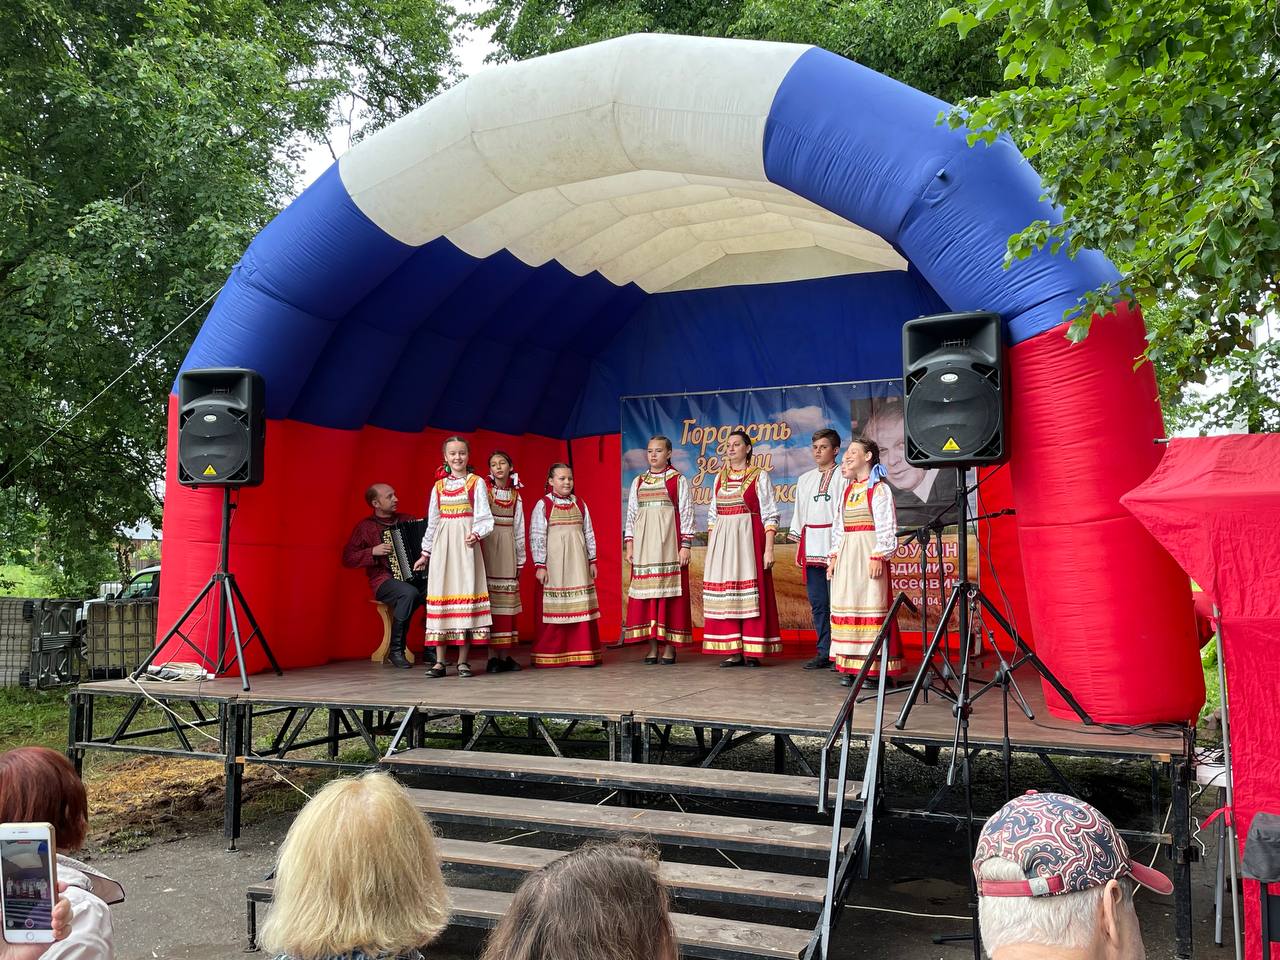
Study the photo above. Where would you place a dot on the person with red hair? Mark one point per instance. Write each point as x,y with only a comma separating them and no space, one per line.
39,785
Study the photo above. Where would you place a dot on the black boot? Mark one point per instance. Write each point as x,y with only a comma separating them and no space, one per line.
395,656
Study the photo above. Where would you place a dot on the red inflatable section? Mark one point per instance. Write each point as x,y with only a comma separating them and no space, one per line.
1083,422
287,535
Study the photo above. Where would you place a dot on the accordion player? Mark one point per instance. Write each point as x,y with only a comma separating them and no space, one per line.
405,540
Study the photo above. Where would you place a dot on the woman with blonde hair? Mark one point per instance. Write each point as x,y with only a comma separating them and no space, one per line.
358,877
600,902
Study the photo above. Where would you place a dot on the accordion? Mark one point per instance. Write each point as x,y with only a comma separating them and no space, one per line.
406,546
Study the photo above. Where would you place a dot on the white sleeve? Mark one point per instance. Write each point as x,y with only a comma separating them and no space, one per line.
684,492
588,531
798,512
91,936
633,507
538,533
481,513
521,545
837,523
433,519
711,507
768,506
886,519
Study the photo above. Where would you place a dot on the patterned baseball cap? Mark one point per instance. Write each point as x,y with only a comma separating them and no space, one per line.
1063,846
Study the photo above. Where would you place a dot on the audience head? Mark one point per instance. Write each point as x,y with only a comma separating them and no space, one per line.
560,479
1055,880
40,785
600,902
358,870
382,498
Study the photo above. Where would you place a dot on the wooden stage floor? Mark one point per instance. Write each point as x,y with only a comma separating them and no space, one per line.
779,697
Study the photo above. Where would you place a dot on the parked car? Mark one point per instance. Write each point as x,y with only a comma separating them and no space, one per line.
142,585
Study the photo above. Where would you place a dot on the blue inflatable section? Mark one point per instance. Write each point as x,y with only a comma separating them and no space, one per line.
351,327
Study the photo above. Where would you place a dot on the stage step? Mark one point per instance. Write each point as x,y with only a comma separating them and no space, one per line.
783,891
695,830
698,936
614,775
780,891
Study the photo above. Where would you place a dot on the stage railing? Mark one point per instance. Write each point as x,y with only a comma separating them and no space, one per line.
840,862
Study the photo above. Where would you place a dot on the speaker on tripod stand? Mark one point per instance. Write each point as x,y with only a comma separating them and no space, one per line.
222,428
954,416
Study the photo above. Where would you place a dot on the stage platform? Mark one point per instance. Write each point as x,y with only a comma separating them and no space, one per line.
777,698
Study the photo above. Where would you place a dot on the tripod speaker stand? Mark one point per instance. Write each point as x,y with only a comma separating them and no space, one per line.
223,582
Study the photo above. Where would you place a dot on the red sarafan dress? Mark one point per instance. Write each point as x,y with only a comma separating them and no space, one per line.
659,523
564,544
740,611
504,553
859,604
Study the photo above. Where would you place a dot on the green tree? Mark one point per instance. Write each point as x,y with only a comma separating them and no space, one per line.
143,143
1156,127
900,38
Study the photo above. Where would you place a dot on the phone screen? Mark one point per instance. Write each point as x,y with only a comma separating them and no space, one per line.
28,899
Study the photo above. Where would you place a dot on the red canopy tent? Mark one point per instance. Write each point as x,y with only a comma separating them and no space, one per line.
1214,503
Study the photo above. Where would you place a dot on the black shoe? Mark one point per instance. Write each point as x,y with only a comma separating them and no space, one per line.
651,660
752,662
494,666
510,665
395,654
846,680
733,662
817,663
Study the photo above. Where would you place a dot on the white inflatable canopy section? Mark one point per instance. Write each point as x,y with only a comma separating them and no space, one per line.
640,158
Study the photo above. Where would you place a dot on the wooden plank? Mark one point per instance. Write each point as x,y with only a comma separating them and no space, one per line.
782,891
696,830
652,777
698,936
692,880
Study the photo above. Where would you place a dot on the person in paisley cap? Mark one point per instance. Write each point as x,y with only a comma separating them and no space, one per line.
1055,882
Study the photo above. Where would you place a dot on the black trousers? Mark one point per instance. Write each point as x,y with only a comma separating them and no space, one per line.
401,597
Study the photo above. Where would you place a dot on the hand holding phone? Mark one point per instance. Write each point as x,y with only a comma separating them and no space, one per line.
28,882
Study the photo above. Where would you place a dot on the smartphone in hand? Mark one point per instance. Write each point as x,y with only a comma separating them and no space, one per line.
28,881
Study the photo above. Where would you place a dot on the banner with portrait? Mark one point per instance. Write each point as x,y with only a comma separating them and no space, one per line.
781,422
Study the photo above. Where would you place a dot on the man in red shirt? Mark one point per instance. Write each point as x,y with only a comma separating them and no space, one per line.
366,549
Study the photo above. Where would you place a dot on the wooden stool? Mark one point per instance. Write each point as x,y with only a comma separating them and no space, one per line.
384,648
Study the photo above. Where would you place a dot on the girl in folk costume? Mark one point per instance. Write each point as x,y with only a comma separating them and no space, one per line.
458,518
564,559
504,553
658,534
861,545
739,609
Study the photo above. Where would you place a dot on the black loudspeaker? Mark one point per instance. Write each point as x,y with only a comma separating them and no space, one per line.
222,427
953,388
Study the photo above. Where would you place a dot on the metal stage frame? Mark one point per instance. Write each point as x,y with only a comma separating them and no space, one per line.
638,708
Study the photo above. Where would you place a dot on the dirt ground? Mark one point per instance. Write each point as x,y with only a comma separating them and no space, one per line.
157,829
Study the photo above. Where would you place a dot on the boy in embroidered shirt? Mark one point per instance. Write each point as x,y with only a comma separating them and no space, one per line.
818,501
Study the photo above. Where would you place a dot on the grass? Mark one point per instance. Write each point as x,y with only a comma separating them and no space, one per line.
20,581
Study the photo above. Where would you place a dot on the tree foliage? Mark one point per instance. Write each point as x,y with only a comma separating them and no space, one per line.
1156,127
900,38
143,143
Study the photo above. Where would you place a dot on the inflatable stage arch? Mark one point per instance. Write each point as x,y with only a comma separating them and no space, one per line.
663,214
